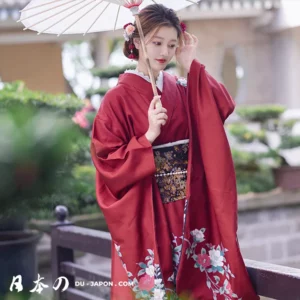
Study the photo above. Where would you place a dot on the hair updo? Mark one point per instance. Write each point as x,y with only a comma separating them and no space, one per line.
153,16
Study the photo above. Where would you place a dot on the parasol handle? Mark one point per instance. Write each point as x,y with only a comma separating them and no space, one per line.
142,38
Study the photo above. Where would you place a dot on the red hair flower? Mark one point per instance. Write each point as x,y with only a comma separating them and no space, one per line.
183,27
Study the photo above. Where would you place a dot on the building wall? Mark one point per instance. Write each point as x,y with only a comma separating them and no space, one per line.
286,59
271,234
38,65
251,48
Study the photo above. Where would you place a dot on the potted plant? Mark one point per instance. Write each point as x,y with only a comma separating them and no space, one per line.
264,125
34,146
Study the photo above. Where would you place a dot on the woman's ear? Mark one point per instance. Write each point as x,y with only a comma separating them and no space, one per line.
137,43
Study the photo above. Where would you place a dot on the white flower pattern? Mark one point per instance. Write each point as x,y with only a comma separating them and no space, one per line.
198,235
150,269
158,294
216,258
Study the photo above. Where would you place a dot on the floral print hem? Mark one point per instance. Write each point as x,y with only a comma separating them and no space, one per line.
149,284
211,260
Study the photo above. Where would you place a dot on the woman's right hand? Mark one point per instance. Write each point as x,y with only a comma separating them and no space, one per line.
156,117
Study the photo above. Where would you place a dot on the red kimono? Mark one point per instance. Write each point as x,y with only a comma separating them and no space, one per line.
187,248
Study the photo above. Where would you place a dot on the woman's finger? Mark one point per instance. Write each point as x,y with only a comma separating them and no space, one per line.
153,102
162,122
188,38
195,39
161,116
159,110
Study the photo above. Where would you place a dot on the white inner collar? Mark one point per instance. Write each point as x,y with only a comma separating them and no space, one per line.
159,81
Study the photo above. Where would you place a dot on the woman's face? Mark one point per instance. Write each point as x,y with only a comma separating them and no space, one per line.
161,46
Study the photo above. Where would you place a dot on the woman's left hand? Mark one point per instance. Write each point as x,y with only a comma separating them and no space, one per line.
187,52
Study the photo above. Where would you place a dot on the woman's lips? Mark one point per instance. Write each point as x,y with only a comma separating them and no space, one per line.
162,61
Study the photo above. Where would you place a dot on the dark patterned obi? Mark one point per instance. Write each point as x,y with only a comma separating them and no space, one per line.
171,162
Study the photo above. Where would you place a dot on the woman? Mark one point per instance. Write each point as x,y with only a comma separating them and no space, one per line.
165,179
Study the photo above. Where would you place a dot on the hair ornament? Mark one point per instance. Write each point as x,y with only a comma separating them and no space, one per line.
183,27
129,28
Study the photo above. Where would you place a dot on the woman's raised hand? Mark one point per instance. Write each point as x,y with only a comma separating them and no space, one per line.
156,117
186,53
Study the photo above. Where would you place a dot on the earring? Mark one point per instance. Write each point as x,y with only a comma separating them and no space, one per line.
131,47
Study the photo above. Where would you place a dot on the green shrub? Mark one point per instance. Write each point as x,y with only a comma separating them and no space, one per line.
80,151
260,113
251,174
34,145
83,184
100,91
78,194
16,93
289,142
259,181
244,135
49,202
241,133
40,150
245,160
269,118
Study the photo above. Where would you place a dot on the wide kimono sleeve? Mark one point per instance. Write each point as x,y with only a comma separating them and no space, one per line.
219,93
209,106
124,174
121,160
212,183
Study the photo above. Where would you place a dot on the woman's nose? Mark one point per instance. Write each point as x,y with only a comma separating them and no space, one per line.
164,51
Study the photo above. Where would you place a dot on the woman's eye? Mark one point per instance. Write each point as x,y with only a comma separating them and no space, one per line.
159,44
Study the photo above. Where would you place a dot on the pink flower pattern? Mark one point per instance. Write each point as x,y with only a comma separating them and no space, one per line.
146,283
203,260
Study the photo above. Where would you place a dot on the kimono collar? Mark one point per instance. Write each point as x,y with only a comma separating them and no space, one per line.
135,82
159,81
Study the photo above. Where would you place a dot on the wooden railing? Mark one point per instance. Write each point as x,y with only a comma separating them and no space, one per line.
269,280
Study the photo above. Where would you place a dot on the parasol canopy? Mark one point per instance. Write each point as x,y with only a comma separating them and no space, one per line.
85,16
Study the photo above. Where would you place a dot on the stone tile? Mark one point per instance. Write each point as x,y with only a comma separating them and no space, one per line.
276,214
276,251
297,226
242,232
293,212
258,252
293,246
270,230
246,218
292,262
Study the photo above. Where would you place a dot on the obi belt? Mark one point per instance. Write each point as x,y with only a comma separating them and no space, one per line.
171,161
